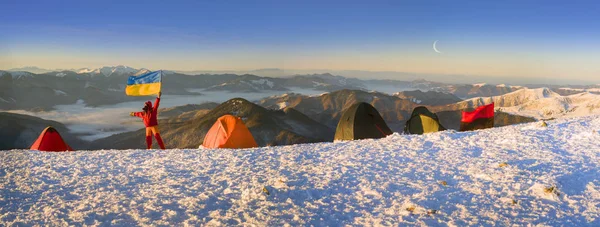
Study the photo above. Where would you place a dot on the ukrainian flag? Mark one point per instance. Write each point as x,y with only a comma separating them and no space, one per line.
146,84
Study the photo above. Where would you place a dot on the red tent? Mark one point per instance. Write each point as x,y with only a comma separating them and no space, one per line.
50,140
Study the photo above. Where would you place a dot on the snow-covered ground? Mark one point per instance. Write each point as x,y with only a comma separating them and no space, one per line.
516,175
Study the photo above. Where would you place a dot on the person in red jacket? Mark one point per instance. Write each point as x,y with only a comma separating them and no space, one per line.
149,115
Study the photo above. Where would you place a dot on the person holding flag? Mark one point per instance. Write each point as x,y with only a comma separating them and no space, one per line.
147,84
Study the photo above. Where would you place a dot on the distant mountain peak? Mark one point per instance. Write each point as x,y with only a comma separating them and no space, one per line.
109,70
84,70
28,67
31,69
141,71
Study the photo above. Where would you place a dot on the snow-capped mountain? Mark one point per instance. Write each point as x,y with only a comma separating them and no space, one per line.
141,71
595,89
477,90
324,82
249,83
85,70
510,99
582,104
540,103
31,69
109,70
17,75
509,86
428,98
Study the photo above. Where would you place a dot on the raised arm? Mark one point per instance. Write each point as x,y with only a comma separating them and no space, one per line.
156,103
136,114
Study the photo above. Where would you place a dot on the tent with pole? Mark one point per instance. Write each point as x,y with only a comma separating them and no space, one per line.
361,121
50,140
423,121
229,132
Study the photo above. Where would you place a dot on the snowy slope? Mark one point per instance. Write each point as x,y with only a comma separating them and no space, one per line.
516,175
18,75
581,104
540,103
512,99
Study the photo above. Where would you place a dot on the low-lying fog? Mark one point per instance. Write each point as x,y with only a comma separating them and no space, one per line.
92,123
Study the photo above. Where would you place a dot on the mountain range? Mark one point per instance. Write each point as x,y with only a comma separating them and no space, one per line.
21,90
294,118
269,127
288,118
366,75
285,119
395,109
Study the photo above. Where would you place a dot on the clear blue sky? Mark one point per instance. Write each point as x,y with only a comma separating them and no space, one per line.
512,38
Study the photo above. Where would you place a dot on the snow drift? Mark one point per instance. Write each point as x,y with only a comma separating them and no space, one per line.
516,175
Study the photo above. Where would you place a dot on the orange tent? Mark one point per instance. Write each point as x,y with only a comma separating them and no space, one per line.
50,140
229,132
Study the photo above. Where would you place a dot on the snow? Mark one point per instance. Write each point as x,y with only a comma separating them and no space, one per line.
61,74
479,85
512,176
282,105
84,70
109,70
390,89
263,81
16,75
514,98
318,95
541,103
252,84
141,71
571,89
319,84
582,104
59,92
581,89
509,86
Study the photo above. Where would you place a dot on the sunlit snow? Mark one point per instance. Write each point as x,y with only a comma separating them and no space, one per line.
516,175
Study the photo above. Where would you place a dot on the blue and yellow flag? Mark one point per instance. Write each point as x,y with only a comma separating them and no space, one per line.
145,84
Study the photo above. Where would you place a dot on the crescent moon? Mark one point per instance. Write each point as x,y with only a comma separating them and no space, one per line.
435,49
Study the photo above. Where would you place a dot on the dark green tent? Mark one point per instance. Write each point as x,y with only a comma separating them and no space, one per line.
361,121
423,121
